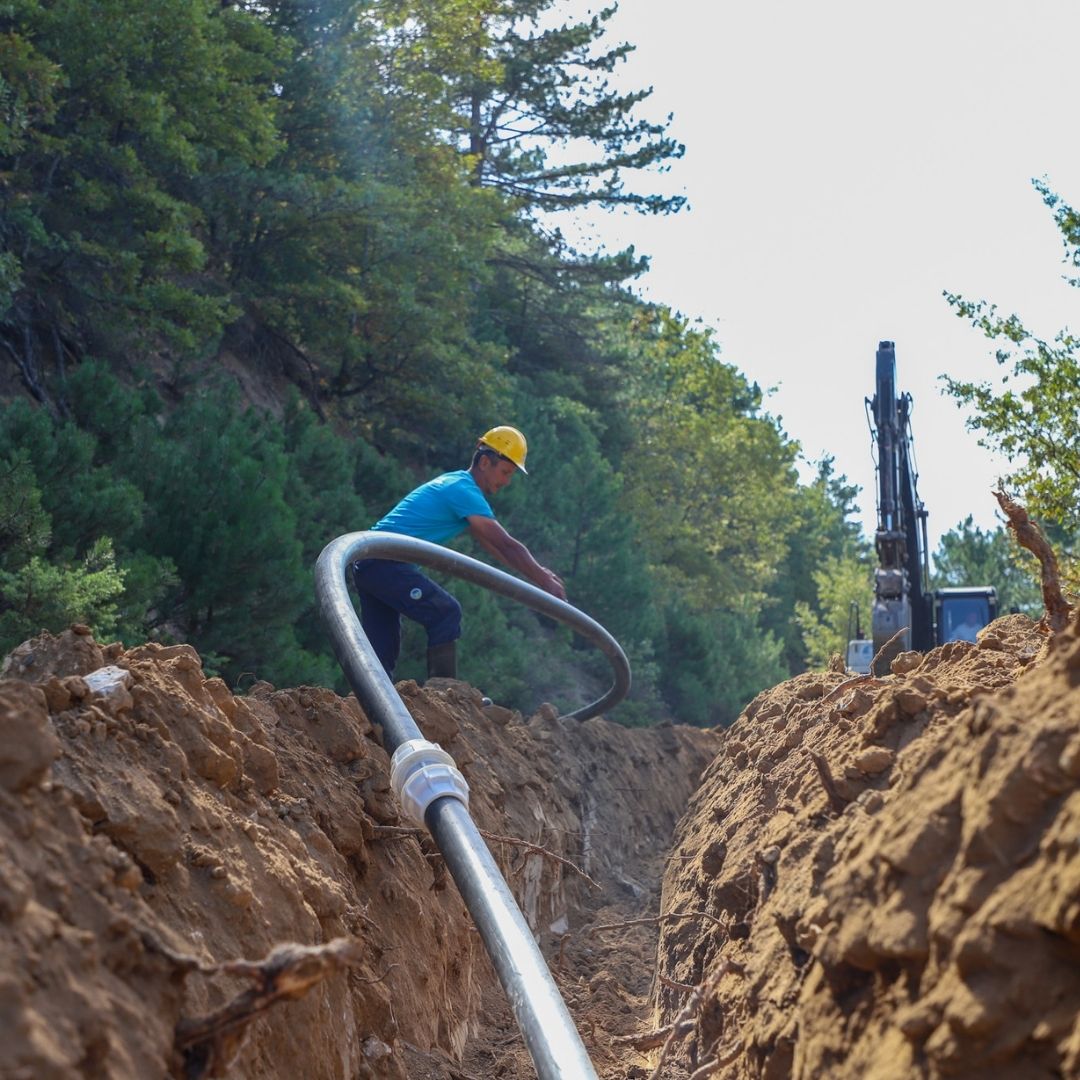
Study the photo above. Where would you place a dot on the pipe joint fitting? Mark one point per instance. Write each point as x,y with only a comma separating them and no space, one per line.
420,773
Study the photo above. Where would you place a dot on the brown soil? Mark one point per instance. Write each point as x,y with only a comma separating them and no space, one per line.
876,877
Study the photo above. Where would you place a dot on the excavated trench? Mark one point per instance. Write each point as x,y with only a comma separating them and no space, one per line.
157,829
873,878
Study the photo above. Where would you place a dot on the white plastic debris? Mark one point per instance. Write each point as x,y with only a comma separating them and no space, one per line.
109,685
108,680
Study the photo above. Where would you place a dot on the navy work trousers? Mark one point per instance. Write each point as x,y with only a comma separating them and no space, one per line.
391,589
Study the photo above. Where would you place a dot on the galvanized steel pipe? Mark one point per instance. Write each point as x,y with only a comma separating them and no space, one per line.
548,1030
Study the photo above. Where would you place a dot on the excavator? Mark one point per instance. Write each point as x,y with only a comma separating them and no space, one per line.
903,603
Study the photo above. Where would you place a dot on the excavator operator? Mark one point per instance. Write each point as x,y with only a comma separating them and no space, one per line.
438,511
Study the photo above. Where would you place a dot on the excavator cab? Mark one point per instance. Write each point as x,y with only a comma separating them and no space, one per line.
959,614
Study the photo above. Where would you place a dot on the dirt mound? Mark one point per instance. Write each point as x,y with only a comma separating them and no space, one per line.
156,830
888,874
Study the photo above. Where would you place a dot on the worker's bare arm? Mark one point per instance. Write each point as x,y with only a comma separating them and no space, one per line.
495,540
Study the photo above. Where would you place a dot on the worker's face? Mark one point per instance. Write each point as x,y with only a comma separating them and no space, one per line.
494,474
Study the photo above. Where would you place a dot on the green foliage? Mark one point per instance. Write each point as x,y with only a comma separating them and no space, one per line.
84,498
36,593
824,544
214,478
1035,424
1033,416
42,595
319,481
715,663
210,550
968,555
357,250
531,105
709,479
10,280
24,524
64,510
827,626
148,580
116,105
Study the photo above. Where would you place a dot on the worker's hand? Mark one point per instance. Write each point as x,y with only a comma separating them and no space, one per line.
553,584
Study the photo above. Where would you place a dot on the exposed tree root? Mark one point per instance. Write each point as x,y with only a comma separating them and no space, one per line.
494,838
643,1041
687,1017
705,1070
725,1057
671,984
837,802
888,645
686,1021
866,679
657,919
536,849
207,1045
1029,535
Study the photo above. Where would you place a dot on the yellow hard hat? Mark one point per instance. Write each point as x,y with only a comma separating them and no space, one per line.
509,442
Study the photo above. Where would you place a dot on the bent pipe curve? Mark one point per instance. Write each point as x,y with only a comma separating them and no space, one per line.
546,1026
339,554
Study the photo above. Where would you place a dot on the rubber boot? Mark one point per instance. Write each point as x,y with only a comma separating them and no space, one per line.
442,661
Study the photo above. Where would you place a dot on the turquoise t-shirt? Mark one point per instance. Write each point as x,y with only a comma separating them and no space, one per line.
437,510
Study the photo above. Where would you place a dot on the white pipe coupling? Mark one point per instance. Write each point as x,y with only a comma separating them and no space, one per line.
420,773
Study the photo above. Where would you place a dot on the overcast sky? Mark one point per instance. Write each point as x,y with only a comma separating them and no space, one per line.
845,163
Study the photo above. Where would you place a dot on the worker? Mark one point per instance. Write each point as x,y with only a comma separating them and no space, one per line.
969,628
438,511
